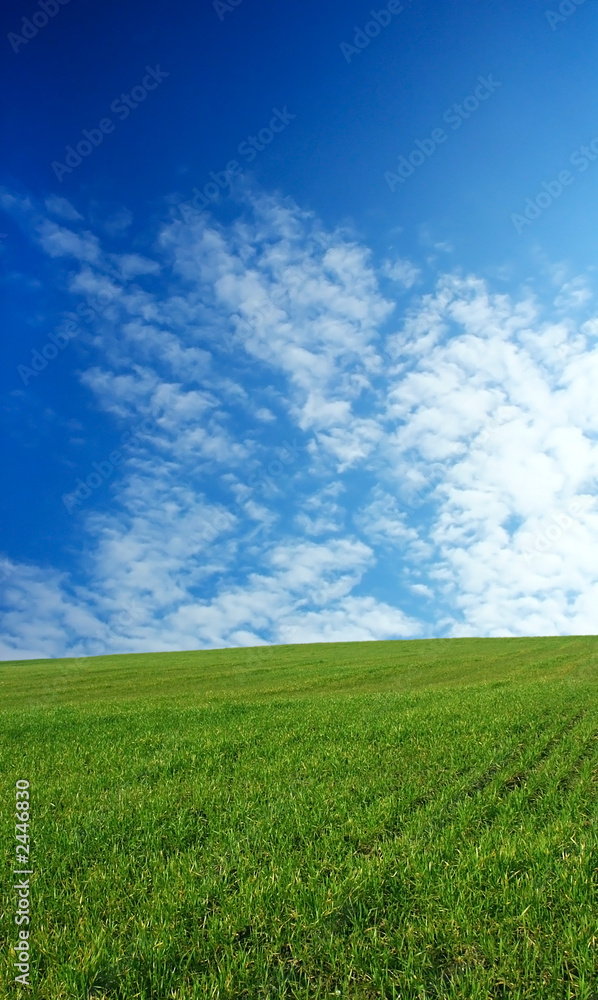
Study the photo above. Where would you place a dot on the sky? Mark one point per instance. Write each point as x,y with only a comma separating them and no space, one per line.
299,323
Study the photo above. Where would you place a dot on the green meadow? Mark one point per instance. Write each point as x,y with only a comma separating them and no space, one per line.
410,819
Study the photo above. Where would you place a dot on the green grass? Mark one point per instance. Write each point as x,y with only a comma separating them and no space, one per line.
361,820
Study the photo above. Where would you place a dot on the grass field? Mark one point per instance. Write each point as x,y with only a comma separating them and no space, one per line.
410,820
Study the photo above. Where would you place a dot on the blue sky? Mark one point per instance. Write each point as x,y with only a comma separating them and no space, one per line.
300,319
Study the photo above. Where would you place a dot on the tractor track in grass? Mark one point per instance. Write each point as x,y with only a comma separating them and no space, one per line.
524,766
522,774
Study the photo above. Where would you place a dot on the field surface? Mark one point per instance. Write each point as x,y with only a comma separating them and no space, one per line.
370,821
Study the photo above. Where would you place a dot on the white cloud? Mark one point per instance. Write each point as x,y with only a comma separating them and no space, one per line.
315,323
62,208
115,224
384,523
58,241
131,265
402,271
495,405
321,513
263,413
573,294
